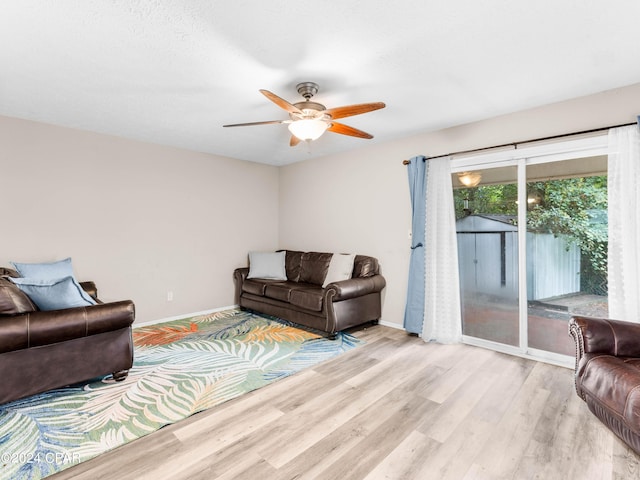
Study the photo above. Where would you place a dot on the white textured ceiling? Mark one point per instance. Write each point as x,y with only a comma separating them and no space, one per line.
173,72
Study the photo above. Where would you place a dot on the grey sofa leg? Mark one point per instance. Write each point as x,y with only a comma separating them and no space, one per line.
375,322
332,336
121,375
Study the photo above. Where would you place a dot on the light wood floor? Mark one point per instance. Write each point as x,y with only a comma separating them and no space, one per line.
396,408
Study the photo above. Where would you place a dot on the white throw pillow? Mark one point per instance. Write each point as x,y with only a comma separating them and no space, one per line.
340,268
269,265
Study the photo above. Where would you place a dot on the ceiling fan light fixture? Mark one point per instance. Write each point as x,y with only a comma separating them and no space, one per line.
308,129
469,179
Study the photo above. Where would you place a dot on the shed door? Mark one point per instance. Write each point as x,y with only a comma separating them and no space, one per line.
482,262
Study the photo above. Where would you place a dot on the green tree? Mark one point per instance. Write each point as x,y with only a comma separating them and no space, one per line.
575,208
489,199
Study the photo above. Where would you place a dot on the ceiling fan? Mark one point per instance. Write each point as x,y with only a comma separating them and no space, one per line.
309,120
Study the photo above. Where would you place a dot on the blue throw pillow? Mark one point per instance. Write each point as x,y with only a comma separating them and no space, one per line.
54,294
45,271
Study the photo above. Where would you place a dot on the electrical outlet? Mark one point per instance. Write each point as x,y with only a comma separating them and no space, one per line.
170,296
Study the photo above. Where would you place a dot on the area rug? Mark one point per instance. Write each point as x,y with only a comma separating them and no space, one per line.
180,368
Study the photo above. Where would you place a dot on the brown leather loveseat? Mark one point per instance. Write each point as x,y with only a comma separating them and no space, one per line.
42,350
607,373
302,299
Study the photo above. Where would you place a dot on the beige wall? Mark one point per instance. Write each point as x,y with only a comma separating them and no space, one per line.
359,201
143,219
136,218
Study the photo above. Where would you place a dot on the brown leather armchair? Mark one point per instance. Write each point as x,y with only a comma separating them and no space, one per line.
607,373
42,350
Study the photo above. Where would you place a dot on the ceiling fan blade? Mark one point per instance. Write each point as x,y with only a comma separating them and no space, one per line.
281,102
294,141
256,123
347,130
350,110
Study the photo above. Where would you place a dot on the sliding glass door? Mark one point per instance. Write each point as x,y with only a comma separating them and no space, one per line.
532,249
566,248
487,234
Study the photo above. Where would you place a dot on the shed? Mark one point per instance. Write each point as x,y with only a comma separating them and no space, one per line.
488,259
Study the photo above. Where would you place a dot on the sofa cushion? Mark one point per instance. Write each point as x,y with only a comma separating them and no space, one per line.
8,272
364,266
340,268
14,301
279,291
314,267
54,294
270,265
256,287
91,289
612,380
293,263
309,298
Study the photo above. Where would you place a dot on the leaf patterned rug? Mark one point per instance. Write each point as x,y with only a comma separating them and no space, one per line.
180,368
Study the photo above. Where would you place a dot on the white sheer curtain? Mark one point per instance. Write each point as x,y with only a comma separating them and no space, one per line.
624,223
442,318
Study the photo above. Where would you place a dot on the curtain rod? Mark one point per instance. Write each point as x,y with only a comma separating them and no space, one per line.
515,144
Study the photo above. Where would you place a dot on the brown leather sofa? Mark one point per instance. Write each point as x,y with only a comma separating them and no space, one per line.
302,299
42,350
607,373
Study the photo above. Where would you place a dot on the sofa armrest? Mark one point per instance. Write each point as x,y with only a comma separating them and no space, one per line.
239,276
354,287
43,328
241,273
601,335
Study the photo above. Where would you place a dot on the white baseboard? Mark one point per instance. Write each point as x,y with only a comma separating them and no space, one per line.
186,315
392,325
